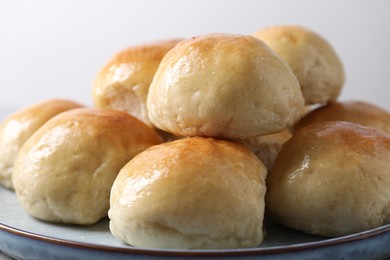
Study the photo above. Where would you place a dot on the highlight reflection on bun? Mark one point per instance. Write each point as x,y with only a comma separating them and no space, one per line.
358,112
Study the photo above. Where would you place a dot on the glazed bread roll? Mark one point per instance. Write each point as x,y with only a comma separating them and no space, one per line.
124,81
358,112
19,126
225,86
332,179
267,147
193,193
313,60
65,170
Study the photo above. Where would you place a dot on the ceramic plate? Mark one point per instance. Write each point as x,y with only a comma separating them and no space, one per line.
24,237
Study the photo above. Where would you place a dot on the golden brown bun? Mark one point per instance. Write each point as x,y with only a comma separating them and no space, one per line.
313,60
267,147
19,126
124,81
351,111
225,86
65,171
191,193
332,179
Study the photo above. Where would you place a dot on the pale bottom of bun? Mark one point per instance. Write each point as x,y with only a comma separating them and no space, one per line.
5,176
151,234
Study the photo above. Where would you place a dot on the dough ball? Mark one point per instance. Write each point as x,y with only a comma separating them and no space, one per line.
19,126
65,171
124,81
267,147
332,179
318,68
192,193
225,86
358,112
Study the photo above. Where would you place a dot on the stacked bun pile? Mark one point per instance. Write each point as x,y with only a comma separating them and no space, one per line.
194,142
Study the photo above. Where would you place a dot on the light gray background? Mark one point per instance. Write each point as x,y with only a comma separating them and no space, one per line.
55,48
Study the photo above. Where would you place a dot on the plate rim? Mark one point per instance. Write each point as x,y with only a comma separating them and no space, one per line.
279,249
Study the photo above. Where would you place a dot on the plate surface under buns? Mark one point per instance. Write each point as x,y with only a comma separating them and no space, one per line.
24,237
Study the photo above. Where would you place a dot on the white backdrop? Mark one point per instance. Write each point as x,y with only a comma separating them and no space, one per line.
55,48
